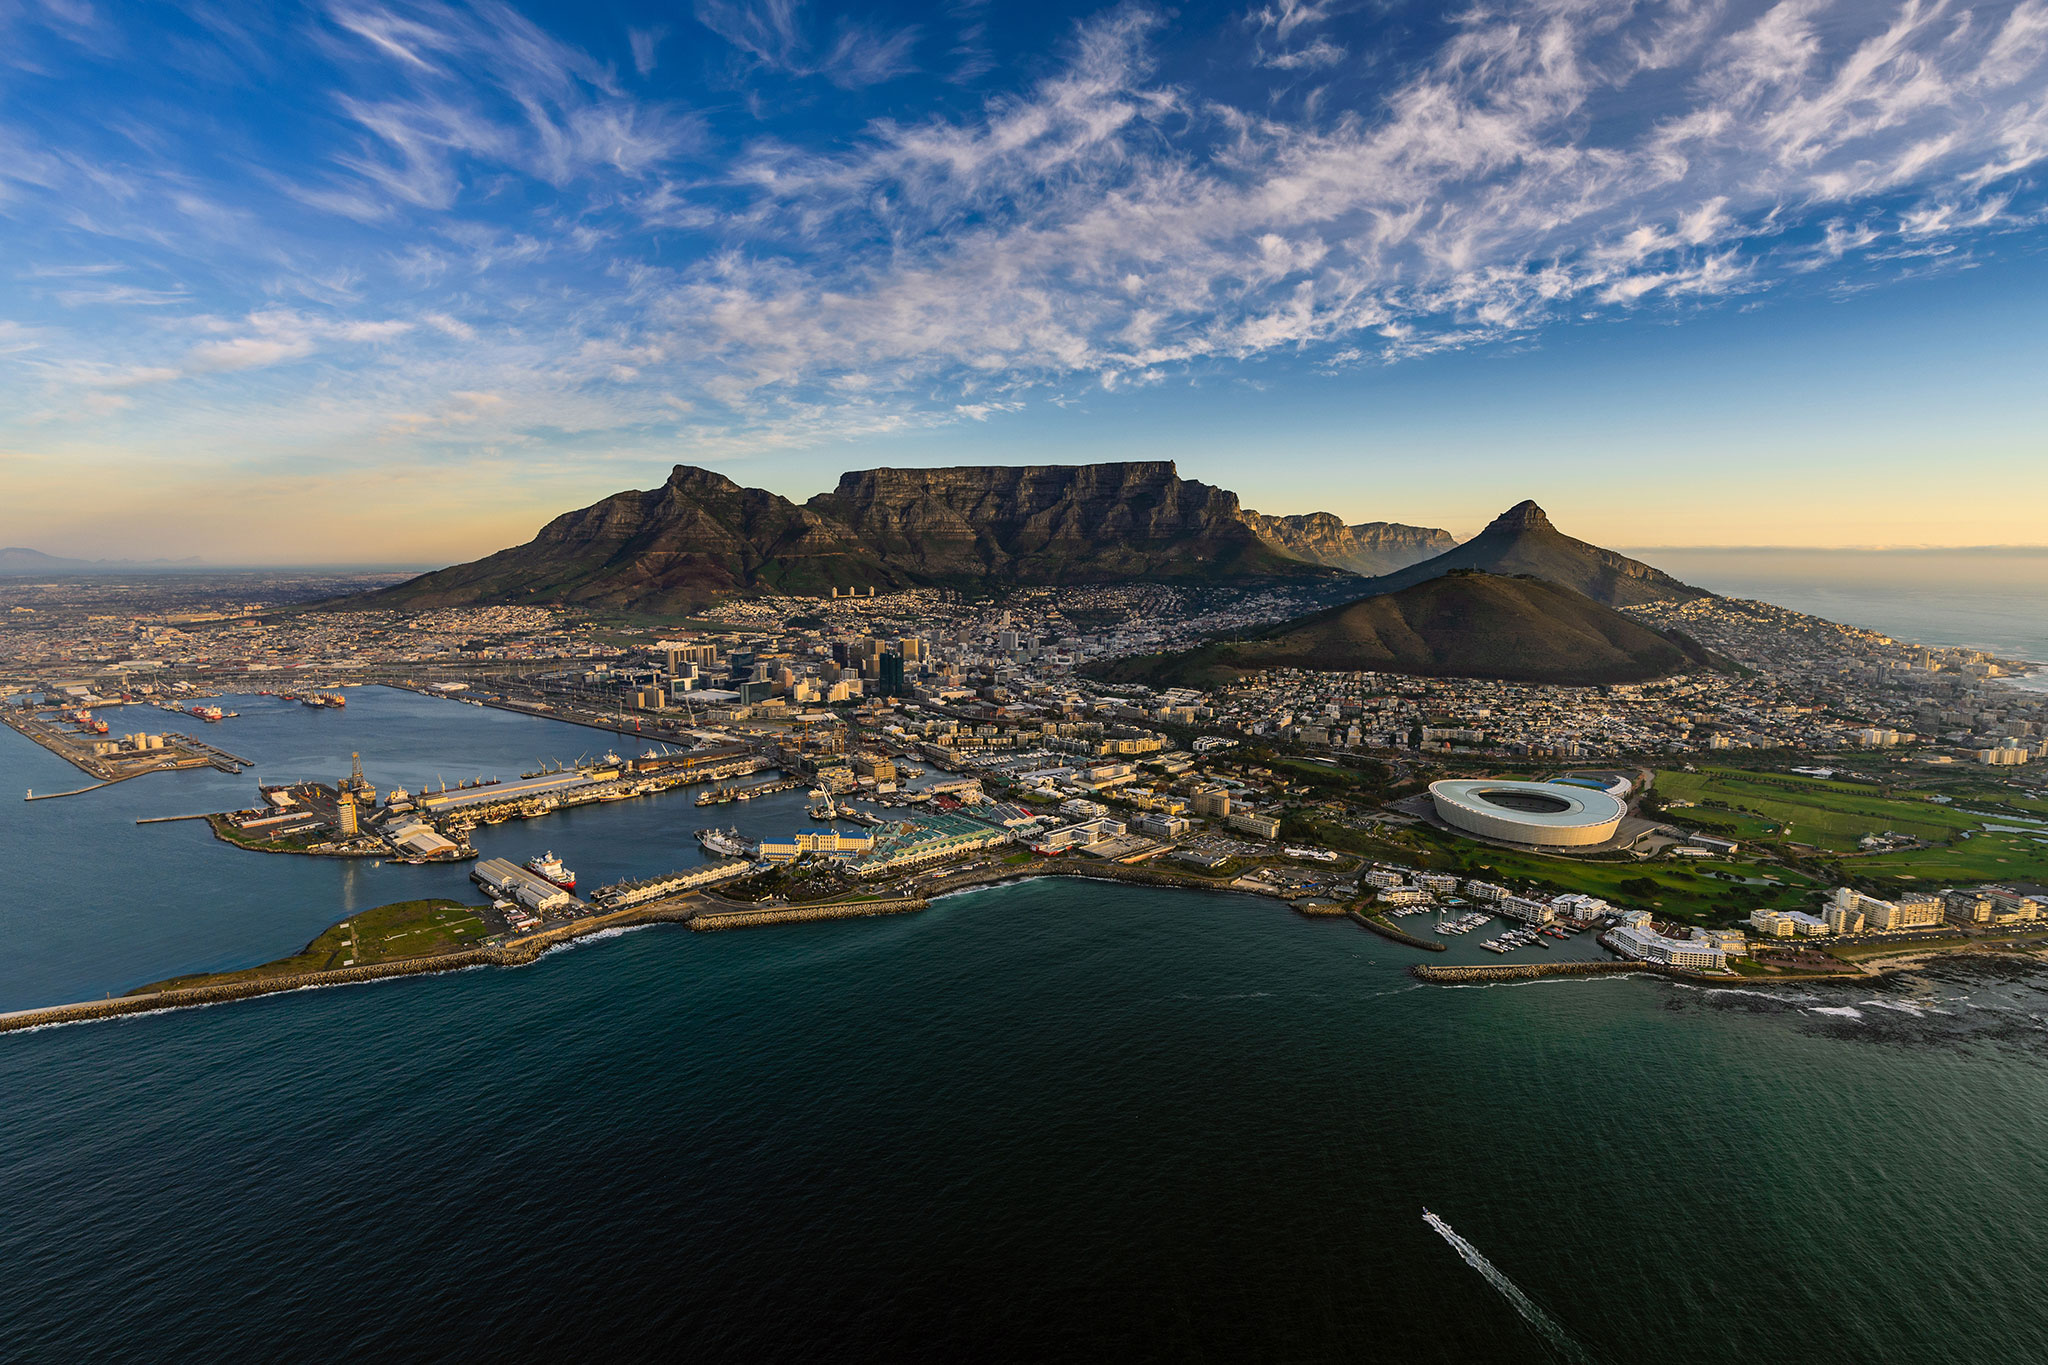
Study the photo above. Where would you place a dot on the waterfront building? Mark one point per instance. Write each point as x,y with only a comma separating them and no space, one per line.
1645,944
1527,910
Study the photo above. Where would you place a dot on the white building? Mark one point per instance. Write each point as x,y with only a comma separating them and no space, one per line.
1527,910
1645,944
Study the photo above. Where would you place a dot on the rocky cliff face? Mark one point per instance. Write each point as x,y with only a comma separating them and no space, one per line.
701,537
1369,548
1050,523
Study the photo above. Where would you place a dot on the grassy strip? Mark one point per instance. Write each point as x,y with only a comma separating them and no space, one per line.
388,933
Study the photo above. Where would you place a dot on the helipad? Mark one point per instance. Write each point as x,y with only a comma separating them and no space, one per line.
1541,814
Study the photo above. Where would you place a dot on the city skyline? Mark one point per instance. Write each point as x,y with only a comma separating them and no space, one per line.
400,282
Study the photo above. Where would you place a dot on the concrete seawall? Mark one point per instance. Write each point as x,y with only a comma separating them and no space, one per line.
710,920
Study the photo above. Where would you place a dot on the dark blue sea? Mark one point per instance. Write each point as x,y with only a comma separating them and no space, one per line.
1053,1121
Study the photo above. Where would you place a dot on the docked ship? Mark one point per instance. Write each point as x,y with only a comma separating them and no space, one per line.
548,866
725,843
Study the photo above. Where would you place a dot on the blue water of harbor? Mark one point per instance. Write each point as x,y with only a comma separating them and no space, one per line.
1055,1120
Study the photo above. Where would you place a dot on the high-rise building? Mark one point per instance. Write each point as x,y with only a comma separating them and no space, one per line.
345,815
891,675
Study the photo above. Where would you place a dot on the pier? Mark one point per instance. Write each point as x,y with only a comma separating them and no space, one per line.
75,791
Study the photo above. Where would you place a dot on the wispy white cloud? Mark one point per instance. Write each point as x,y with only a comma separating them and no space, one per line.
518,223
778,35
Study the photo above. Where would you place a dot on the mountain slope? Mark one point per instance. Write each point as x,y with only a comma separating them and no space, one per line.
1464,624
1521,540
21,559
1372,547
700,537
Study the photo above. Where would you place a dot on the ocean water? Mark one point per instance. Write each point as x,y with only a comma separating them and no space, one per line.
1995,600
1047,1121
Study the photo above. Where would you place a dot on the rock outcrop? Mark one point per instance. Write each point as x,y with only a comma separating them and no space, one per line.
1369,548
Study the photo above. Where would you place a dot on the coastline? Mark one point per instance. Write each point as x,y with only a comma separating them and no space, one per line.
710,913
515,954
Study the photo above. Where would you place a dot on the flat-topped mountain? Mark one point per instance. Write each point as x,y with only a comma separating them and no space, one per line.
701,537
1521,540
1372,547
1051,523
1464,624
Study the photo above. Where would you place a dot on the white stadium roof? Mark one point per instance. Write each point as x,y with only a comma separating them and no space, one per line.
1540,813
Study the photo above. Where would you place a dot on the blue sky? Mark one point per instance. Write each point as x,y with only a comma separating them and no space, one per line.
397,281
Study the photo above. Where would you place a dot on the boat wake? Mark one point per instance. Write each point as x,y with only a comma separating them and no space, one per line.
1556,1343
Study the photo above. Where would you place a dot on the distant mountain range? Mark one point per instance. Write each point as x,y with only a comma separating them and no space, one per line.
1465,624
19,559
701,537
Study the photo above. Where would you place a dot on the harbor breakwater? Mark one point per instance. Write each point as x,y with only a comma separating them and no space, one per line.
1529,971
1388,931
710,920
514,954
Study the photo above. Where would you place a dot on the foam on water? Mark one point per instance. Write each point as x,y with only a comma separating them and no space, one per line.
1559,1345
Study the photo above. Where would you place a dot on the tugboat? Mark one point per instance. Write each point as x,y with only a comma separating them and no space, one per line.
548,866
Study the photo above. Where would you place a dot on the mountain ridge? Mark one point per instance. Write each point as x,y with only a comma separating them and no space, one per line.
1368,548
701,537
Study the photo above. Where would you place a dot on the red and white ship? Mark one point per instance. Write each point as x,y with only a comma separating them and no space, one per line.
547,865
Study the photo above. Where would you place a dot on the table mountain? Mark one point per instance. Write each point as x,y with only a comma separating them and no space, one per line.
1521,540
700,537
1464,624
1372,547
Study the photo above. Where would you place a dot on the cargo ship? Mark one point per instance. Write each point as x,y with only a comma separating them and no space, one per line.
548,866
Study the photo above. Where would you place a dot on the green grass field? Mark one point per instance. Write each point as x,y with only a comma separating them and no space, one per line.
387,933
1991,857
1808,810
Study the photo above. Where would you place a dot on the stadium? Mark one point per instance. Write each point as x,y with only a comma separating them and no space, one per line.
1538,814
